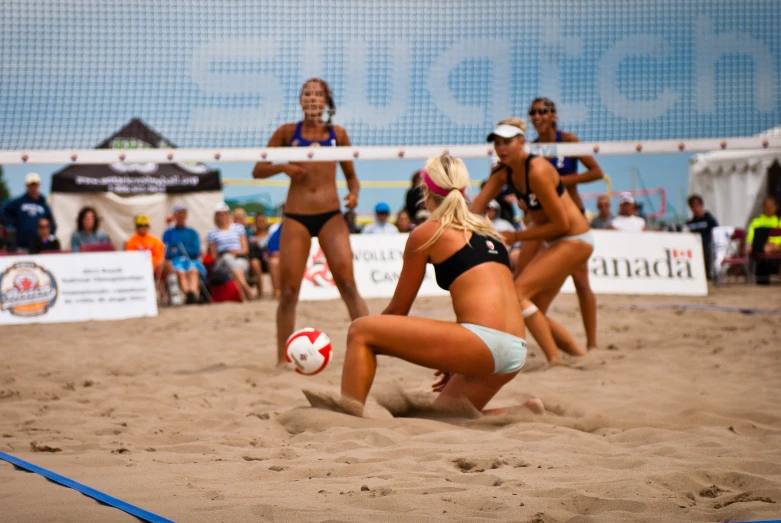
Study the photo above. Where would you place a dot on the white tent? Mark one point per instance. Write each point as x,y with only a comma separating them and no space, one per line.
120,191
117,213
733,183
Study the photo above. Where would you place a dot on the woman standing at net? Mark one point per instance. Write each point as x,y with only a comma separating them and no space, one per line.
485,348
556,220
312,208
543,116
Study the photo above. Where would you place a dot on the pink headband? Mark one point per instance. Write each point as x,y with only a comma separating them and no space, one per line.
436,189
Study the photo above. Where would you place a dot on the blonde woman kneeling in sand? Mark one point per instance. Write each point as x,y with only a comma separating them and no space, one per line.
485,348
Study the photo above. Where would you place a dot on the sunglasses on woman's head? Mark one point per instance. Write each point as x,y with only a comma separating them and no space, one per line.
541,112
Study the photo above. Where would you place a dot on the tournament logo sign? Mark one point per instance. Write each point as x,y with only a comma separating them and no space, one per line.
317,272
27,289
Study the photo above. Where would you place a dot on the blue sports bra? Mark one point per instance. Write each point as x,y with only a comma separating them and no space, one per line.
529,197
564,164
478,250
299,141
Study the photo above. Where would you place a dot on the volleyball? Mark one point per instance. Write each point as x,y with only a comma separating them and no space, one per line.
309,350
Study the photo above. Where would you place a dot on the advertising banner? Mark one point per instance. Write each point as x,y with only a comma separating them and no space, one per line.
76,287
377,262
646,263
622,263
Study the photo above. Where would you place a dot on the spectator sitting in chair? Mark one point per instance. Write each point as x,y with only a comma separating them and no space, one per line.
45,240
413,199
500,224
143,240
403,222
25,211
352,225
759,242
240,218
627,219
604,219
769,219
229,249
382,225
258,252
87,230
183,248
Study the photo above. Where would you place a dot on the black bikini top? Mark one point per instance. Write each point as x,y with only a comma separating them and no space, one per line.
478,250
529,197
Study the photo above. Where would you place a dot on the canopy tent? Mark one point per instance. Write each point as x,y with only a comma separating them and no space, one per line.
120,191
733,183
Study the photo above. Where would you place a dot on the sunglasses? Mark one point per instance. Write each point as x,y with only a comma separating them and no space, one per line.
541,112
43,227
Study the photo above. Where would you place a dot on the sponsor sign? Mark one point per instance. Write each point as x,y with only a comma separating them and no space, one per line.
646,263
377,262
76,287
622,263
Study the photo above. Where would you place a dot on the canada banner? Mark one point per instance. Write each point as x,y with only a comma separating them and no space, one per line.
622,263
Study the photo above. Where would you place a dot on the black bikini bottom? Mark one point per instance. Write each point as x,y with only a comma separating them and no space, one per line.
313,222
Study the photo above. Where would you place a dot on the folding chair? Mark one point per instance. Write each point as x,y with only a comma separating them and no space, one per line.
736,259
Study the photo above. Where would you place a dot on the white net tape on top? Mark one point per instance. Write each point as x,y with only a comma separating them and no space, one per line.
217,75
319,154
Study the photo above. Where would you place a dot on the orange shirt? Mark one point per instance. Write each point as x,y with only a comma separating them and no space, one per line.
147,243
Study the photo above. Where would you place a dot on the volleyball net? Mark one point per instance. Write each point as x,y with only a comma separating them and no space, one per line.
410,79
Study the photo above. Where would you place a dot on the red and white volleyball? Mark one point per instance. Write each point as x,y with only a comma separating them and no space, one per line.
309,350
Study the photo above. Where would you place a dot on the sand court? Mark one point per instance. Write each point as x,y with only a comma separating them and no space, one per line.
676,418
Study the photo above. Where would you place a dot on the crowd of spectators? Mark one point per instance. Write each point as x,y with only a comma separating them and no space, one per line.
242,251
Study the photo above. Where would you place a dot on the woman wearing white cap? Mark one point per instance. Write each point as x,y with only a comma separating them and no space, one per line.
312,208
556,220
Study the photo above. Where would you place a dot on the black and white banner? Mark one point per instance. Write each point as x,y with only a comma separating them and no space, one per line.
76,287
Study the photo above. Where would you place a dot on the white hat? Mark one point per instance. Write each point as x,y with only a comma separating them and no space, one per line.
626,197
493,204
32,178
505,131
221,207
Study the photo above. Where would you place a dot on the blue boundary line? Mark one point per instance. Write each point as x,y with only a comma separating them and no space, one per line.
87,491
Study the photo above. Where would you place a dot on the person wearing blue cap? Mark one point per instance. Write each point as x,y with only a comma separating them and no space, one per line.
382,225
182,250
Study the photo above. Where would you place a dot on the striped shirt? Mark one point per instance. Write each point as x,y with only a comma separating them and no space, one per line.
228,239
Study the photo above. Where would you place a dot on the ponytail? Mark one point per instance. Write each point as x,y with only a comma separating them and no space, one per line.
450,176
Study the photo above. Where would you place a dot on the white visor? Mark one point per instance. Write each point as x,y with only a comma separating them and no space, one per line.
505,131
